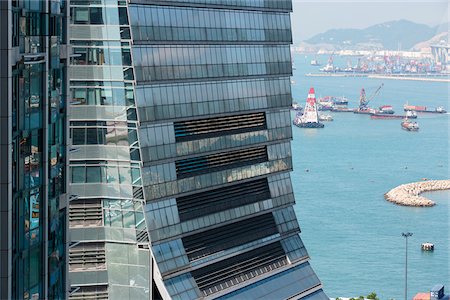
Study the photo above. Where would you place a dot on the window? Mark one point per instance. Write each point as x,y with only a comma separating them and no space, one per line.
78,175
81,15
96,15
93,175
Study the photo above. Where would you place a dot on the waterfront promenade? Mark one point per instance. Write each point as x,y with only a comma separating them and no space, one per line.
409,194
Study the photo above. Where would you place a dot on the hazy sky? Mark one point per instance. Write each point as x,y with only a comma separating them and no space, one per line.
315,16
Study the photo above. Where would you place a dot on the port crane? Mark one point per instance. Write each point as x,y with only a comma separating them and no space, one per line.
364,101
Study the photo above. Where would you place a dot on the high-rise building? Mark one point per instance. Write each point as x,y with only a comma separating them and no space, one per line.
33,149
109,255
213,96
173,178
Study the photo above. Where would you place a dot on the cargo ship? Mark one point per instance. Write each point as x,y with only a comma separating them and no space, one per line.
310,116
409,126
423,109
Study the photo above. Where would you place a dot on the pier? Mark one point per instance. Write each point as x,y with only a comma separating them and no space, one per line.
409,194
416,77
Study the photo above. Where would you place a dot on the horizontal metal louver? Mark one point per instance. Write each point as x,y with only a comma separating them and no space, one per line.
239,233
199,129
84,213
138,192
220,161
201,204
90,293
87,256
232,271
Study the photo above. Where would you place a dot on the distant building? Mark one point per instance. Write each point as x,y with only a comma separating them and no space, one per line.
441,54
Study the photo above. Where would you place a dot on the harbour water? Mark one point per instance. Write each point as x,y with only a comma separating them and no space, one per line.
341,173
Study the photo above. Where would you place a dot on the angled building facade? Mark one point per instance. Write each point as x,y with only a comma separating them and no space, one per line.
33,156
165,174
213,97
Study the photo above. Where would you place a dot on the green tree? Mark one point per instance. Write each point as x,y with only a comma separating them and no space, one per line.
373,296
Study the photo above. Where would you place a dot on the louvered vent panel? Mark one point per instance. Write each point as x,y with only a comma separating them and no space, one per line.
204,128
229,272
220,161
239,233
87,256
85,213
201,204
90,293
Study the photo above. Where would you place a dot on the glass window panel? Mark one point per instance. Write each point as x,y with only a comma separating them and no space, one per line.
78,175
93,175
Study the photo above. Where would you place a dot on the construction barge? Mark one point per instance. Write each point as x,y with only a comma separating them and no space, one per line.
310,116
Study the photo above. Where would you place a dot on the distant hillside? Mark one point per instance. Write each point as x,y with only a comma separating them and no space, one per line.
389,35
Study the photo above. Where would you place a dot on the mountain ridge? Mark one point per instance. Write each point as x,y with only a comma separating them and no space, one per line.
392,35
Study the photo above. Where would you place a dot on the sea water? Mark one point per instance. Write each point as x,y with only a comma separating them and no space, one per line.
341,172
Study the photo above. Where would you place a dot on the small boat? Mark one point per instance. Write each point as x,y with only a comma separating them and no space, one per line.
340,101
409,126
315,62
427,246
386,109
296,106
325,117
411,114
365,111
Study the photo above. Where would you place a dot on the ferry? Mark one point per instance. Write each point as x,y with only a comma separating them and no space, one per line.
409,126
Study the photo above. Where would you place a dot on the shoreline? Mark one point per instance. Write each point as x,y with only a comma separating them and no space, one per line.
409,194
440,78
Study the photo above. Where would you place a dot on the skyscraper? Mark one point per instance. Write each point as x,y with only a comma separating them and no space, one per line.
33,149
213,97
173,178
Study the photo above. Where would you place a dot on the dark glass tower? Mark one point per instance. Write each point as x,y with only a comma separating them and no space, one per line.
33,149
213,96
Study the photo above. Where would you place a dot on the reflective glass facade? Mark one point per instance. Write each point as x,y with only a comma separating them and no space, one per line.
109,255
213,95
33,149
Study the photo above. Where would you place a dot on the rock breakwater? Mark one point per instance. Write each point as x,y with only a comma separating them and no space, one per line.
409,194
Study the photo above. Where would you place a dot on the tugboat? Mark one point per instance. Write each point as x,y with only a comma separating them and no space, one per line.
310,117
296,106
325,117
386,109
410,126
411,114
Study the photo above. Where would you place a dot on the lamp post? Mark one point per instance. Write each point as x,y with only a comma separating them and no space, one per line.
406,235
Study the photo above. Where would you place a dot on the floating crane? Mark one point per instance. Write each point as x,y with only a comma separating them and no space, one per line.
364,101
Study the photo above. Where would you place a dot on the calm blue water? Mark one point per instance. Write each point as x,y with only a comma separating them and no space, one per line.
352,234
